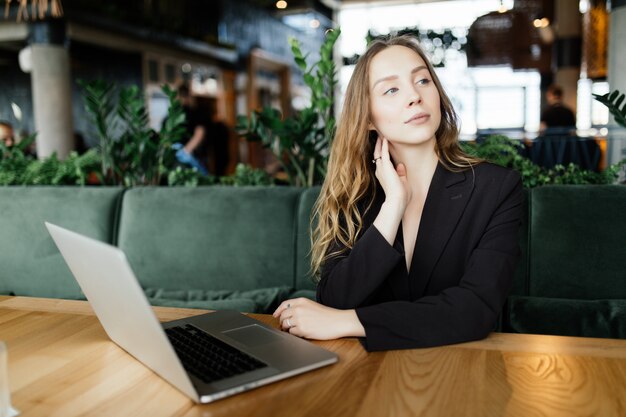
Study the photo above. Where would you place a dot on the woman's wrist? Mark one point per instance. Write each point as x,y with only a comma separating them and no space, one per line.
394,207
388,220
350,324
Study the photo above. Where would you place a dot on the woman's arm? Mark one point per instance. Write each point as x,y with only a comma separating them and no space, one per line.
349,280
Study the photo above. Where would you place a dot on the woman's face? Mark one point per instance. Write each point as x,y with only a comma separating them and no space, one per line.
404,101
6,134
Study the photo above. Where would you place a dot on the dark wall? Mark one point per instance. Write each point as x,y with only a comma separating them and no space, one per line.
90,63
247,26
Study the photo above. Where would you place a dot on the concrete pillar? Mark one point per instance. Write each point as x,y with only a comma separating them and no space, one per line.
616,144
568,24
51,89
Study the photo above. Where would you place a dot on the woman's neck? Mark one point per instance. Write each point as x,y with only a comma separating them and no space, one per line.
420,162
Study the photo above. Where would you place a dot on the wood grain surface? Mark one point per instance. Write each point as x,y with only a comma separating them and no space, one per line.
61,363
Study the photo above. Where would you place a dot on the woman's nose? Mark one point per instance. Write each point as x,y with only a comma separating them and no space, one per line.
414,98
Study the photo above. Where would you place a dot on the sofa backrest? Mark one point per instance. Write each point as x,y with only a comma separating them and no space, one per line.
577,245
231,238
211,238
304,278
30,263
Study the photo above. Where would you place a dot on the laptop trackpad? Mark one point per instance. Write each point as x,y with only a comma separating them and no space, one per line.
253,335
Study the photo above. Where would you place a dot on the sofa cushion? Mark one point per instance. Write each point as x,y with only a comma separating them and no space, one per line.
263,300
214,238
566,317
310,294
242,305
576,245
31,264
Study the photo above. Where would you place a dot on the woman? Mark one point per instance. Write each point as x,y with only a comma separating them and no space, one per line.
416,242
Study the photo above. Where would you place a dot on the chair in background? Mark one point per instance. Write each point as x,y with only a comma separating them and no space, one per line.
561,149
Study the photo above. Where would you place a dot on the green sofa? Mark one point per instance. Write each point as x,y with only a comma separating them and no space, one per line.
246,248
572,276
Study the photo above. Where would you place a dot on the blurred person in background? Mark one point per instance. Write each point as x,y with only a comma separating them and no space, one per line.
192,149
556,116
7,134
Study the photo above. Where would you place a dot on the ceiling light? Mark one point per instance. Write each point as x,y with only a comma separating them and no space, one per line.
281,4
314,23
583,6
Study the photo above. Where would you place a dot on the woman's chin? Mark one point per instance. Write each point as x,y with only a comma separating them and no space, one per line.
412,141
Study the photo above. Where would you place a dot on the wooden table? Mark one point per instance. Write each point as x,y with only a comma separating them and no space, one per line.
61,363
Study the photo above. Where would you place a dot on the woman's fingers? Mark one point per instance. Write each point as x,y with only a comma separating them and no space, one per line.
284,306
401,170
377,147
384,151
286,323
286,311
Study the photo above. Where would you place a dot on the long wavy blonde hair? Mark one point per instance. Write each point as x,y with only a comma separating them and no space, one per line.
350,182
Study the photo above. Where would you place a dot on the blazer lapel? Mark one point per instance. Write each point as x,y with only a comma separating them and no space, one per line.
448,194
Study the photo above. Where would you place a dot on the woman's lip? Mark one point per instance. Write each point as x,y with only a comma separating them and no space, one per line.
418,118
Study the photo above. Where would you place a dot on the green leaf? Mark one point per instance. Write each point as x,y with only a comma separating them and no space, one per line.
613,100
300,62
309,80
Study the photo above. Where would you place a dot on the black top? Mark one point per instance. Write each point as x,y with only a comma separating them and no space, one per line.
192,120
461,271
558,115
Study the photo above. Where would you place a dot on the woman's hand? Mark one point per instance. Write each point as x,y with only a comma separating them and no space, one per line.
397,191
392,179
305,318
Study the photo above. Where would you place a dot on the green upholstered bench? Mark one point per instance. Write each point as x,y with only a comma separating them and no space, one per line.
30,263
572,280
212,247
247,248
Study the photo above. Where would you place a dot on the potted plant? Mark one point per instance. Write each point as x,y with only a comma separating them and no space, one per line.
301,142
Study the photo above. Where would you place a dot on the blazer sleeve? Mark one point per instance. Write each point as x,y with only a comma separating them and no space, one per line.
460,313
349,280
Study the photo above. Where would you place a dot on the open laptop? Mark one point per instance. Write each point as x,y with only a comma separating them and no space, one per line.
207,357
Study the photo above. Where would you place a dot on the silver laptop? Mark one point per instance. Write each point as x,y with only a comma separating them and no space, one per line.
240,353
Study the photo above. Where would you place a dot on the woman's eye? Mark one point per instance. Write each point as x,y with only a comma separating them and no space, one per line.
390,91
423,81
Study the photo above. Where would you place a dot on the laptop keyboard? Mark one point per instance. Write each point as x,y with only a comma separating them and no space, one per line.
207,357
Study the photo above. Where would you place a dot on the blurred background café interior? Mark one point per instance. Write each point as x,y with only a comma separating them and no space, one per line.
497,60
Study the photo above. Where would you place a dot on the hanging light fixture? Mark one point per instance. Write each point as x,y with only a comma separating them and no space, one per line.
38,9
502,8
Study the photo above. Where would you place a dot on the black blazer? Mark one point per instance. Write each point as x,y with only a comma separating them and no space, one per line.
461,271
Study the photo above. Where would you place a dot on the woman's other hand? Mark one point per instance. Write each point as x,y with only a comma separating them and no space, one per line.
306,318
